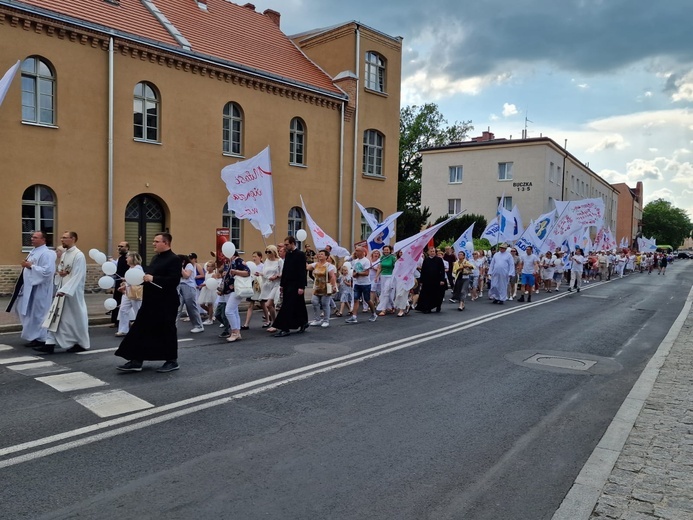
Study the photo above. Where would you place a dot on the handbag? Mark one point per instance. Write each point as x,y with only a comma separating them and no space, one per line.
243,286
134,292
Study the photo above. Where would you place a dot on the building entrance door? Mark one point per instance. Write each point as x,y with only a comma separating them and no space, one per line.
144,218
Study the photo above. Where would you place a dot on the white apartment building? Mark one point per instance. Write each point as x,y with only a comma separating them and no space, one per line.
531,173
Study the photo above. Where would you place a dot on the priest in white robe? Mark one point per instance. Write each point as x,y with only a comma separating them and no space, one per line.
501,268
68,323
35,290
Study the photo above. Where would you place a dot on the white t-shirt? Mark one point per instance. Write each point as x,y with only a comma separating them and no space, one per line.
360,265
190,280
528,263
578,262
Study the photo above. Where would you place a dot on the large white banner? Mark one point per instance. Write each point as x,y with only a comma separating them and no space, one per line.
322,239
573,216
250,191
6,80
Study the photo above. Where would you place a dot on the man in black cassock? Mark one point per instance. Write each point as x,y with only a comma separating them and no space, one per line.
121,267
293,314
153,336
432,283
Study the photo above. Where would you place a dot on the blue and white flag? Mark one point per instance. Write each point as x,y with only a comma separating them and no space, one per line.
383,232
511,224
465,242
528,238
492,233
368,217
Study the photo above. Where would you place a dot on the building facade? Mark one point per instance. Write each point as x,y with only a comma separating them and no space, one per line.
531,173
125,113
629,218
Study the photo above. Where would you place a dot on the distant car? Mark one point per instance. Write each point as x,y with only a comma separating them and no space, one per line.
684,255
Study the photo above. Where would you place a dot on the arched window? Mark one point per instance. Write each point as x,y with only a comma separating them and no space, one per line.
295,221
38,92
232,129
375,72
373,152
297,141
365,227
38,214
146,112
229,220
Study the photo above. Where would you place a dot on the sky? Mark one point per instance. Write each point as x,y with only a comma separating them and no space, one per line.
612,78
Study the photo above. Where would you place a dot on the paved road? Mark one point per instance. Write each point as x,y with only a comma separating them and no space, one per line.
437,416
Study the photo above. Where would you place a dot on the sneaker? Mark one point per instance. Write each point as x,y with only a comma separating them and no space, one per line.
352,319
224,334
221,325
208,322
169,366
197,329
529,298
325,324
315,323
373,318
131,366
522,299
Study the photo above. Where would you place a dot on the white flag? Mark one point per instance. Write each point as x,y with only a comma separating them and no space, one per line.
370,219
465,242
250,191
492,233
411,249
6,80
322,239
529,238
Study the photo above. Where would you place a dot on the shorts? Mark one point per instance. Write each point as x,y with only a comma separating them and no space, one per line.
362,290
557,277
527,279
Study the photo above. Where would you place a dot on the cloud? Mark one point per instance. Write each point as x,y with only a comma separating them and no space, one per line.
683,88
663,193
609,142
642,169
509,110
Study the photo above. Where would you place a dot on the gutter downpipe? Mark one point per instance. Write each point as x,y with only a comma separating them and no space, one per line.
341,175
110,145
565,155
356,128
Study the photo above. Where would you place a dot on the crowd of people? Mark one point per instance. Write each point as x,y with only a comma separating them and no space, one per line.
49,295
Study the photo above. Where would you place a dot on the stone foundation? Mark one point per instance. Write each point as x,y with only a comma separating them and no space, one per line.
9,274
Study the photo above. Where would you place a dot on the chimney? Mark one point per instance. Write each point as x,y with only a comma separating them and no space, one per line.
272,15
250,6
485,136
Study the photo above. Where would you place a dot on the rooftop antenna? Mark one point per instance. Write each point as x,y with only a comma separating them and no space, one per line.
524,132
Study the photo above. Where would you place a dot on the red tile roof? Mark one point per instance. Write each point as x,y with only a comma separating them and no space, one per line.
225,30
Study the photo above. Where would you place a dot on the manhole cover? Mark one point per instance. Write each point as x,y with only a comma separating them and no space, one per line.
560,362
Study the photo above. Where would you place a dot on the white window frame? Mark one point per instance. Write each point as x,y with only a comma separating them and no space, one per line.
37,99
375,72
144,99
232,129
455,174
38,204
297,142
454,206
373,145
505,171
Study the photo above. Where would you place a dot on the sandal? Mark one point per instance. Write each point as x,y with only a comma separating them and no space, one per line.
381,313
400,314
234,337
266,324
338,314
272,329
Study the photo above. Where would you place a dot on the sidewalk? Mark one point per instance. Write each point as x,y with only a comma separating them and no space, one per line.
642,469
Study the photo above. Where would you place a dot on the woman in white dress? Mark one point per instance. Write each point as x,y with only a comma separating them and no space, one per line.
132,297
271,276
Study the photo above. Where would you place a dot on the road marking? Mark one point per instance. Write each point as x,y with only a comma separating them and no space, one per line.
20,359
71,381
41,367
113,349
112,402
5,347
224,396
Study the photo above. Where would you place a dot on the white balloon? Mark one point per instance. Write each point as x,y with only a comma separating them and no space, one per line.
106,282
108,268
212,284
301,235
100,258
92,253
110,303
134,276
251,266
347,265
228,249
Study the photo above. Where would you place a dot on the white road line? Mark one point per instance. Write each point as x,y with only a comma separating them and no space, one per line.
112,402
20,359
41,367
221,397
5,347
71,381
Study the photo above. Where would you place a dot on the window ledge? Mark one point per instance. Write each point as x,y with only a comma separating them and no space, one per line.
373,176
147,141
298,165
504,180
227,154
42,125
456,182
376,92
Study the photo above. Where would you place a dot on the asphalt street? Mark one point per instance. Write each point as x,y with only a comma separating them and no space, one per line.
488,413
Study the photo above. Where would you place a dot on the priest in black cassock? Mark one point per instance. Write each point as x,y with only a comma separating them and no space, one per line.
154,336
432,283
293,314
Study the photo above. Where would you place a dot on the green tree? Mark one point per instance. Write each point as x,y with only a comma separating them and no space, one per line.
669,225
453,229
419,127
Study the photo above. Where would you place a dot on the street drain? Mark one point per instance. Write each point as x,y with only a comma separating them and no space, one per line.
560,362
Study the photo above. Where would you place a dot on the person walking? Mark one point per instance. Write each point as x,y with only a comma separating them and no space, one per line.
432,283
153,336
271,278
360,266
33,292
293,313
324,283
121,268
187,288
237,269
577,261
500,270
462,270
131,300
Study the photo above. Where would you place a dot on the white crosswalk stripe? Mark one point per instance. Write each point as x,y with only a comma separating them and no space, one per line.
112,402
71,381
20,359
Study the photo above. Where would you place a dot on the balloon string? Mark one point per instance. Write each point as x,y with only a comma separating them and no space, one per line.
155,285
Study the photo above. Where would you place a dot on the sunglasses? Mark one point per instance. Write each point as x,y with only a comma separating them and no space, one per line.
268,252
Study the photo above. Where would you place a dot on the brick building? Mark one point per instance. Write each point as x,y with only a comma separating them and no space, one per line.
629,218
